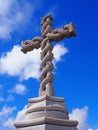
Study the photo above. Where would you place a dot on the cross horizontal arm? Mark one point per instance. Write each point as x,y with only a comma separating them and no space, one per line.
66,32
58,34
29,45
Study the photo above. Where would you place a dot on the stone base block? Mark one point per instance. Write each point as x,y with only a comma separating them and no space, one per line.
46,113
48,127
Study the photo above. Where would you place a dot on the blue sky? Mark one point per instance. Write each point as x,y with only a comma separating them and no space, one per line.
76,61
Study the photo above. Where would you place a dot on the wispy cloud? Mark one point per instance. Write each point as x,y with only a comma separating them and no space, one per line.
6,111
15,14
27,65
81,116
8,124
59,51
19,89
21,114
9,98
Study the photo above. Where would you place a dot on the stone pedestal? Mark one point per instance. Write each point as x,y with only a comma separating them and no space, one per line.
46,113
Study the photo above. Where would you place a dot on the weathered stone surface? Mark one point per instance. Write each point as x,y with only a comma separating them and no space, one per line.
46,110
46,106
48,126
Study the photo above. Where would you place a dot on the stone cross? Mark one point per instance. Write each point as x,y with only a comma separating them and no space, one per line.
48,36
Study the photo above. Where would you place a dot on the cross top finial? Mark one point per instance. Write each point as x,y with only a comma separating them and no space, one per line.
43,19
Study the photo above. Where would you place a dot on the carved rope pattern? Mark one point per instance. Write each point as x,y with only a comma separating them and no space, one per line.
29,45
46,76
48,35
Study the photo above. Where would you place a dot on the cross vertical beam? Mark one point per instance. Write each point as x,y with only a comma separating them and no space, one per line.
46,67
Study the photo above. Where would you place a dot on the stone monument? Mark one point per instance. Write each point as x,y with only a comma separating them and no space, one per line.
47,112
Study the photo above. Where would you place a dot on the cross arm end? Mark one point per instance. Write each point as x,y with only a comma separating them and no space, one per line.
29,45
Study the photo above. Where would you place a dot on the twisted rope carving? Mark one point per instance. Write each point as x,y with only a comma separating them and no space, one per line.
48,35
46,23
46,76
29,45
66,31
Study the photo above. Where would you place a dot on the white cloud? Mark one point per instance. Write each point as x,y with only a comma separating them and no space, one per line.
16,63
59,51
6,111
15,14
9,123
26,65
5,6
20,89
21,114
81,116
